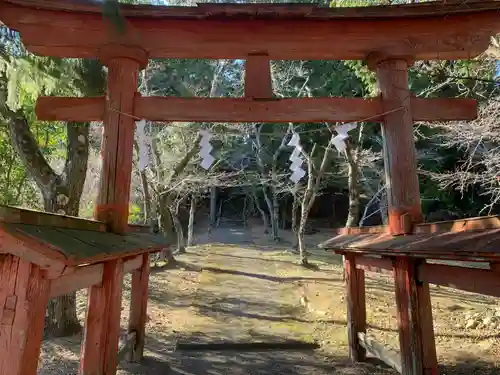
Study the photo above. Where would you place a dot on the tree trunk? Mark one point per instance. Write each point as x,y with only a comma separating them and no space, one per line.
300,237
219,215
272,202
147,198
275,215
310,193
353,186
284,213
166,227
295,227
181,247
213,207
263,214
62,320
244,214
307,201
192,212
269,202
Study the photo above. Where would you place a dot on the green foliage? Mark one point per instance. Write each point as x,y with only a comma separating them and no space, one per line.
23,78
14,183
135,215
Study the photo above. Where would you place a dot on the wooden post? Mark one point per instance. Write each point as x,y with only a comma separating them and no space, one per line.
413,299
416,334
102,328
102,324
258,80
400,161
429,355
139,307
23,296
119,127
356,307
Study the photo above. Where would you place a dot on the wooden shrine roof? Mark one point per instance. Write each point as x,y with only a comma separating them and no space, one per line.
83,246
48,239
270,11
466,239
430,30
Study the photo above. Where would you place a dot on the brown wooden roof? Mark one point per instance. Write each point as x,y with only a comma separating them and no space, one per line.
271,11
467,245
84,246
56,241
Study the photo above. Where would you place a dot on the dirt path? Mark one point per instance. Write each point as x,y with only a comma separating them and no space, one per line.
241,297
249,293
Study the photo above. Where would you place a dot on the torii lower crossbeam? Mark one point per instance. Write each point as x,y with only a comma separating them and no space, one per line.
297,110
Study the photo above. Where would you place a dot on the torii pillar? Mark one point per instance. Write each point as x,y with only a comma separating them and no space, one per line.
416,336
102,326
400,161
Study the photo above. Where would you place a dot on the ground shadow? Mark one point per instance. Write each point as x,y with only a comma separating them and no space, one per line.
266,362
384,285
470,366
267,277
61,365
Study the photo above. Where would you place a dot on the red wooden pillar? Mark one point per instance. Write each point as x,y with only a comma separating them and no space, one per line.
416,332
258,80
24,295
400,161
418,351
102,327
356,307
429,356
139,307
123,65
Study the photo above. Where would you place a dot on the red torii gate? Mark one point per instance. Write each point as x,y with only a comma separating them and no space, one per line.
390,38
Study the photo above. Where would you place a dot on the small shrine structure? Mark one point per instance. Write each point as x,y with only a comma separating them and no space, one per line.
48,255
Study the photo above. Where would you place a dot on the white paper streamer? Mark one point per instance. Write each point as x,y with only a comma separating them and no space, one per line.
296,163
297,175
294,141
205,149
338,141
295,158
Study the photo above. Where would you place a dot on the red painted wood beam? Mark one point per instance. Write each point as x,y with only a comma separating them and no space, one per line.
474,280
83,34
77,278
24,296
379,265
356,307
159,108
139,307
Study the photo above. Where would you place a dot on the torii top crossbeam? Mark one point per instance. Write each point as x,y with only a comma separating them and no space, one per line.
435,30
